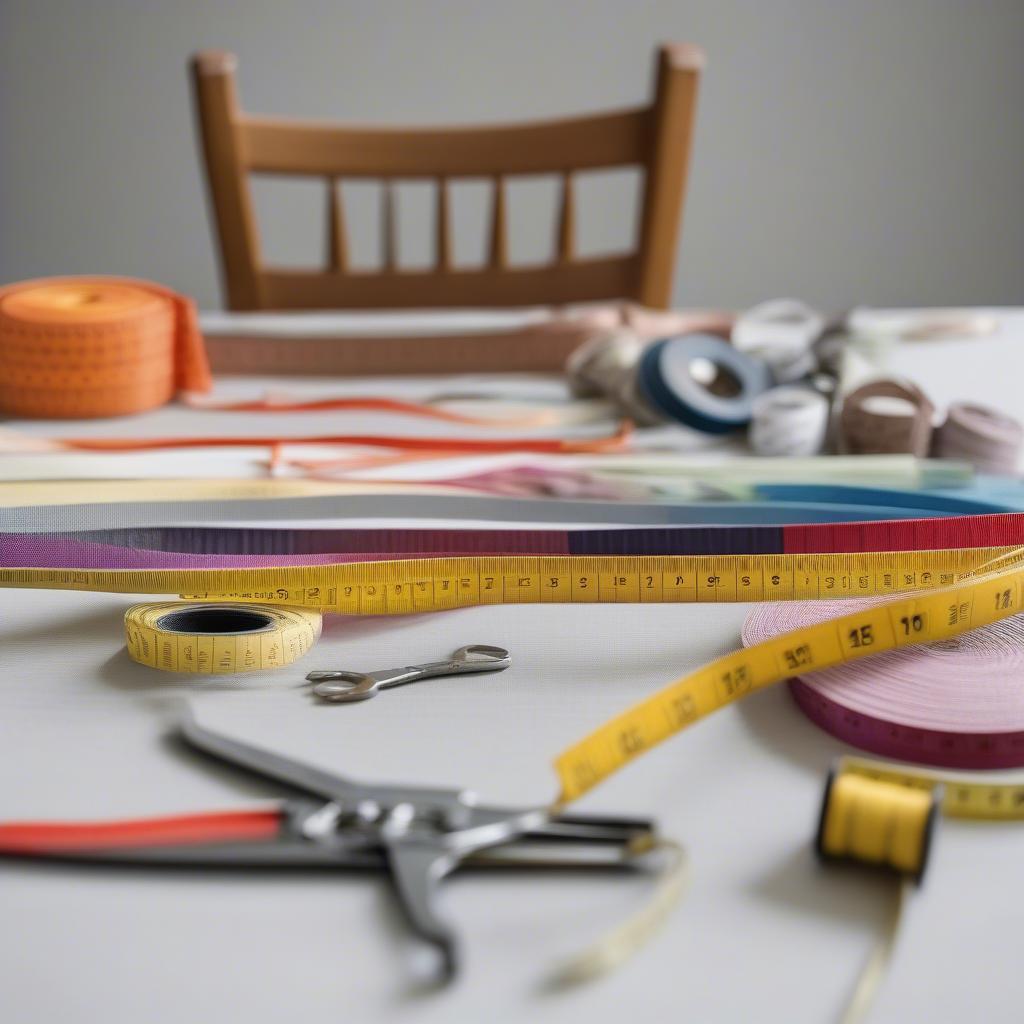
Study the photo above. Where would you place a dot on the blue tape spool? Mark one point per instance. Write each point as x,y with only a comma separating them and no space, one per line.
665,377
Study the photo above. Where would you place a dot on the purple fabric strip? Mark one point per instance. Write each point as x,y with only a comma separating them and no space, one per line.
33,550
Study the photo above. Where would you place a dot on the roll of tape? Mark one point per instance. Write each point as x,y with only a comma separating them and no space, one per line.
218,639
87,347
701,381
989,439
886,416
789,421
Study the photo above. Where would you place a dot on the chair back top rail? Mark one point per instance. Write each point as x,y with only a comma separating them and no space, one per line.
293,147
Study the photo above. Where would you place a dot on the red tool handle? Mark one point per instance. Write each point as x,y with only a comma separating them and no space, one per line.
42,838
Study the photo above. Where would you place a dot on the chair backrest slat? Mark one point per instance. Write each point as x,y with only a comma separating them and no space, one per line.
657,139
499,227
667,168
443,251
337,254
567,220
388,229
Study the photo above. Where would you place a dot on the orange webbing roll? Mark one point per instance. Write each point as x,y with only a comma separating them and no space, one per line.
78,347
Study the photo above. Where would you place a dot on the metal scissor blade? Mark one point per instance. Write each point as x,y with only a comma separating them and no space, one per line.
593,829
304,778
295,774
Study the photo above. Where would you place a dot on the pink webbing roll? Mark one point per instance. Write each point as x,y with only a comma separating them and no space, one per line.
956,704
989,439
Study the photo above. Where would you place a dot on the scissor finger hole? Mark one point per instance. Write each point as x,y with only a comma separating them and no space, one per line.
481,653
342,686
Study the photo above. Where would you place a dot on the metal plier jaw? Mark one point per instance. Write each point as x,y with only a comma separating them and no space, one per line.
417,834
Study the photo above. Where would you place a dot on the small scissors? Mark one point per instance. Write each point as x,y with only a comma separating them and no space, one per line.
341,686
416,834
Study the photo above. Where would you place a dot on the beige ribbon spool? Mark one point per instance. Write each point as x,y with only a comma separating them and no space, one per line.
886,417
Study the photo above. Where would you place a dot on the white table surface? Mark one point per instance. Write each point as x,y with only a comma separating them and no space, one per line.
764,934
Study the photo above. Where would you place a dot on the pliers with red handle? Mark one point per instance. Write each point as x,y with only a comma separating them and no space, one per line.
417,834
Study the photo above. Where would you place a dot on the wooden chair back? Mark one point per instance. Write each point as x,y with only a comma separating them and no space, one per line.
655,138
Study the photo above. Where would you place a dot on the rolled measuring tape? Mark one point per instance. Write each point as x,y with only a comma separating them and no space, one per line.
789,421
223,638
886,416
990,440
77,348
955,704
701,381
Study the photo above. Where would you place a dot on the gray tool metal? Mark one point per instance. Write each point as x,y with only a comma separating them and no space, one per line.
340,686
415,833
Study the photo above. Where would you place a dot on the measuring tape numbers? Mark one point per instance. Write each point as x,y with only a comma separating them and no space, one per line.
433,584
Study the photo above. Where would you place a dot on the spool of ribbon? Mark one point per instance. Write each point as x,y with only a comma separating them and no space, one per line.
982,436
87,347
958,703
886,416
606,365
870,821
218,639
789,421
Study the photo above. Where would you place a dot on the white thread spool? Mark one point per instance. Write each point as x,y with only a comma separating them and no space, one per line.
789,421
780,332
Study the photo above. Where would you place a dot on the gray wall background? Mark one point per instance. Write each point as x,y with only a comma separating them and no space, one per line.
845,151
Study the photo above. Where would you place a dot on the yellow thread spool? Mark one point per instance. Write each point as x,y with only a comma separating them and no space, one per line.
882,824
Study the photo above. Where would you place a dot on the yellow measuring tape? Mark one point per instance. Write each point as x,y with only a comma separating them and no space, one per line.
434,584
922,618
218,638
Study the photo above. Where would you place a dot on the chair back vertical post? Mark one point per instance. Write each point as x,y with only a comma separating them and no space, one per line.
675,105
216,99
